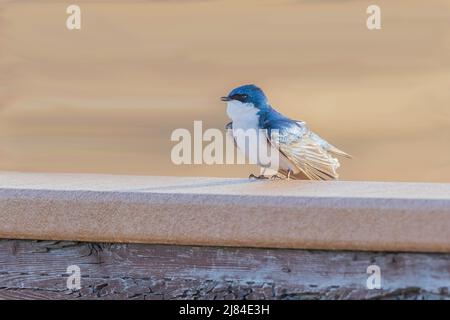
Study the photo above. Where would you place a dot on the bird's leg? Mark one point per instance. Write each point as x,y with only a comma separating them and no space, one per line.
263,172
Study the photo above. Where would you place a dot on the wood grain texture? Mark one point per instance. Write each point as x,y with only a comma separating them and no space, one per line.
37,270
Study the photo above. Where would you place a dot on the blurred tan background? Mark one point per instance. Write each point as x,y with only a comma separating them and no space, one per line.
105,99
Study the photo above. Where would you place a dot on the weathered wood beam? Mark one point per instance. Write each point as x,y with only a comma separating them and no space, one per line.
37,270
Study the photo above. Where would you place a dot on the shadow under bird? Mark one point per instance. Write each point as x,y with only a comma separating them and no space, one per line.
302,153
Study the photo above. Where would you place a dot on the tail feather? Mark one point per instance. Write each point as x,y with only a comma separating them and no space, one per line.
337,152
329,147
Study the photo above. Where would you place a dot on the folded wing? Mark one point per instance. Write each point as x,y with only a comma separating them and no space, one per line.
312,155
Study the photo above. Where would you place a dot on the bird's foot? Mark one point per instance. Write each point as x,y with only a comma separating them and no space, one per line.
276,177
260,177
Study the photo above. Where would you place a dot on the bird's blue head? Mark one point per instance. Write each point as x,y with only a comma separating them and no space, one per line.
248,94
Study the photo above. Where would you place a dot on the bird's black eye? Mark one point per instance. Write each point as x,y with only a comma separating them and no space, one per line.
239,97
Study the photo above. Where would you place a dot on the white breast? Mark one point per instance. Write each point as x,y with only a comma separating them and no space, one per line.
244,115
245,119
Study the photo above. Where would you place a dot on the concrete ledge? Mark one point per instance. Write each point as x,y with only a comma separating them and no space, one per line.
226,212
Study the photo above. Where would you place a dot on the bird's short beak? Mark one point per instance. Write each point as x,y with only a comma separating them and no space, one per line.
225,99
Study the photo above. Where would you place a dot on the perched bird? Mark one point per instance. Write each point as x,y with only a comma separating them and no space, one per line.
302,153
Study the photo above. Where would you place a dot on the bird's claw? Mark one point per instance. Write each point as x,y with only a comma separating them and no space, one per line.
276,177
263,177
260,177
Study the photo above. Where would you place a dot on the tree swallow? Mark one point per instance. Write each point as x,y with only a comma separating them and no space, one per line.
302,153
